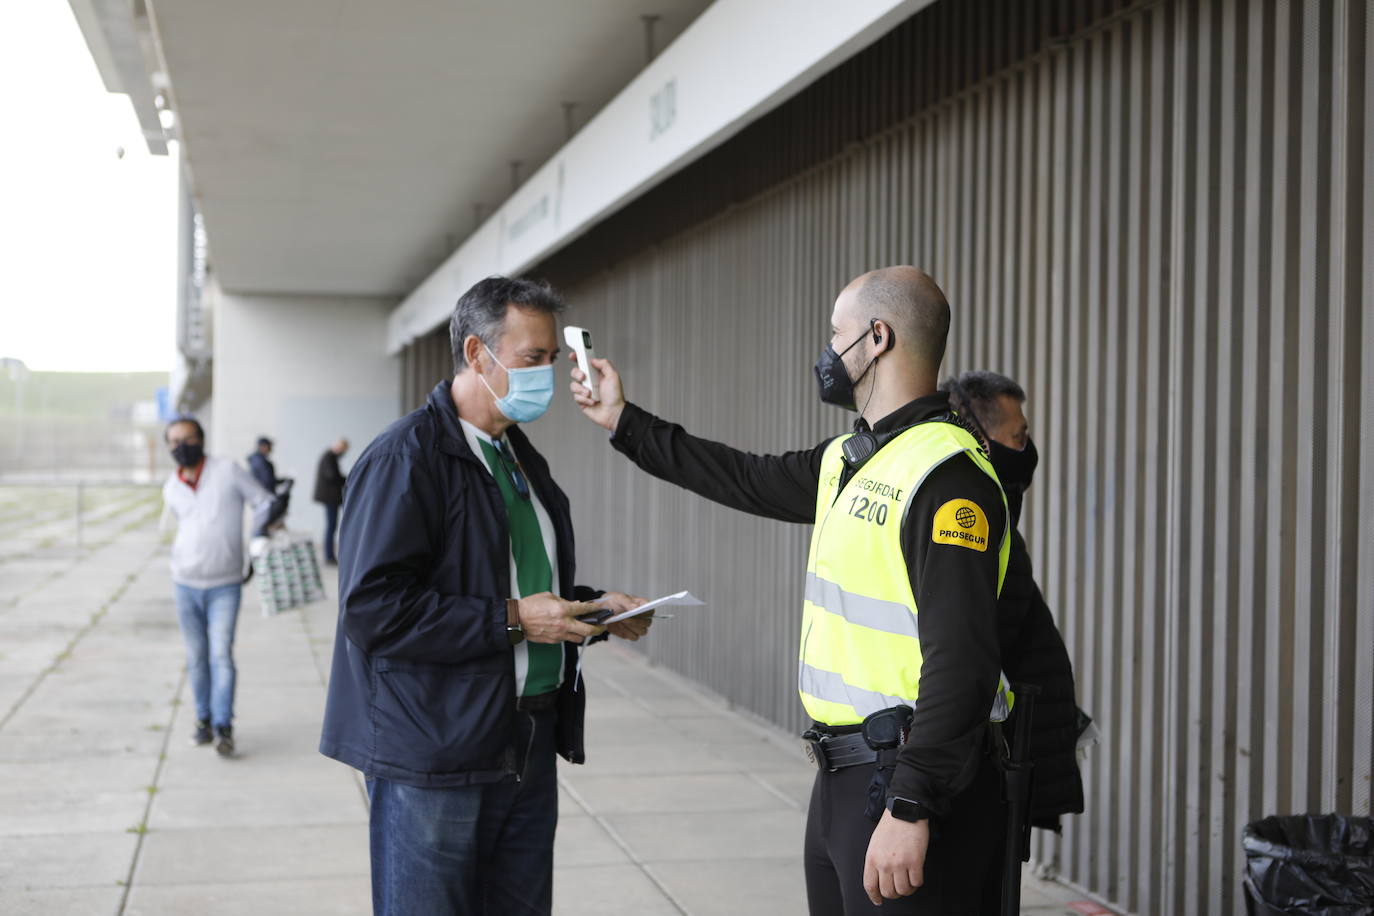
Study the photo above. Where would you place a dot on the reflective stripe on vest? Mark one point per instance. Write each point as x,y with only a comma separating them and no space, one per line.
860,648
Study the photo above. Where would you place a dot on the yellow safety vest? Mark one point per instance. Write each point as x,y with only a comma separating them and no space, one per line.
860,651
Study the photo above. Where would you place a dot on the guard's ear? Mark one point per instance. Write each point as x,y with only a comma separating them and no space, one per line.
878,327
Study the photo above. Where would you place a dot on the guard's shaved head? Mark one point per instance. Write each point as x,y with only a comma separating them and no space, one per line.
909,300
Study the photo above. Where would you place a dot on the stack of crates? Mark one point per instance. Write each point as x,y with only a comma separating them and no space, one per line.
288,574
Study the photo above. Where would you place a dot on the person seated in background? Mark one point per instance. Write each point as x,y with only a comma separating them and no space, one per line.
1033,650
329,487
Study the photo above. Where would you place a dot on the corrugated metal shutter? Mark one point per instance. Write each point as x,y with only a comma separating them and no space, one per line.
1158,219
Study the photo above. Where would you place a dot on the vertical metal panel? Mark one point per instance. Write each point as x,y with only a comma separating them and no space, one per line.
1360,288
1156,216
422,364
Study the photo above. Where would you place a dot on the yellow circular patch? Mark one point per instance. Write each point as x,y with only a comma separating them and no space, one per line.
963,523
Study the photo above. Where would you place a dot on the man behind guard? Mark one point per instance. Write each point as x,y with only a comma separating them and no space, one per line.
1033,650
908,515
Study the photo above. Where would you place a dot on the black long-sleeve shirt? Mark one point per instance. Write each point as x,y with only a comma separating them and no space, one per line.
955,586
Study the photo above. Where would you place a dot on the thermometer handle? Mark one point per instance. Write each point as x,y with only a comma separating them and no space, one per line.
580,342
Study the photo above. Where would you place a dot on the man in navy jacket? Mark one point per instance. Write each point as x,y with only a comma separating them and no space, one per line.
1033,650
454,681
265,473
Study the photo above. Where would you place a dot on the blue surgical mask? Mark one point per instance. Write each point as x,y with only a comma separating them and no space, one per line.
528,394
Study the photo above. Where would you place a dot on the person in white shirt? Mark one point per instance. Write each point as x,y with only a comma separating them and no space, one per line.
207,496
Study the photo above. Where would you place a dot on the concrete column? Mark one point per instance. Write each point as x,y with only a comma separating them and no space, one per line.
301,370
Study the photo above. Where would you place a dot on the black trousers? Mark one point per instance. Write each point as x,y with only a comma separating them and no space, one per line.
963,864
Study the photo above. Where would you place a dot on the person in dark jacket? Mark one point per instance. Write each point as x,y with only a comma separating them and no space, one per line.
260,465
329,486
454,678
1033,650
264,472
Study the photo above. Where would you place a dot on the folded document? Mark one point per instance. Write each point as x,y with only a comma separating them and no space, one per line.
685,598
676,598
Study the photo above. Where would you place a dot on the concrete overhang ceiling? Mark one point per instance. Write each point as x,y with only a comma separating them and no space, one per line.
341,147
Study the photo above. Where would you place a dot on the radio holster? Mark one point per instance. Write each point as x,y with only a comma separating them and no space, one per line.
885,731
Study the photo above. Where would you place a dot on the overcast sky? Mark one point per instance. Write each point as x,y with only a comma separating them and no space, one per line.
87,240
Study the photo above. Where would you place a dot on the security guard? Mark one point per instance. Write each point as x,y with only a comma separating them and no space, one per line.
899,663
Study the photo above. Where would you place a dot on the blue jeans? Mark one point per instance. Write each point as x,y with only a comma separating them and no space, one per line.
331,523
469,850
208,617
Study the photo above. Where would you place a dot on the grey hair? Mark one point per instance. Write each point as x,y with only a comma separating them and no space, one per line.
482,310
975,395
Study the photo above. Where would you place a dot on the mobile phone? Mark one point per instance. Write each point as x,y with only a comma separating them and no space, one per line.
579,340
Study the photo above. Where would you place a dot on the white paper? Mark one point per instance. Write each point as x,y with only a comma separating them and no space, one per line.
686,598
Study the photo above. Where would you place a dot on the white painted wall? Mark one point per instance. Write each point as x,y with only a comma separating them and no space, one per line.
739,60
301,370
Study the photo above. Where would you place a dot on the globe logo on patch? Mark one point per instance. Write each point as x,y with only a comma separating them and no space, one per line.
966,517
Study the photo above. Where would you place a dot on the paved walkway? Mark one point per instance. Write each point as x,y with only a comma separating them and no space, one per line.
106,809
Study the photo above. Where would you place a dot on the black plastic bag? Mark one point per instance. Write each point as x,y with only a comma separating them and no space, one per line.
281,501
1312,864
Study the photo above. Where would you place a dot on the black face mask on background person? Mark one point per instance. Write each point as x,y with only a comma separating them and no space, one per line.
1015,470
832,377
188,454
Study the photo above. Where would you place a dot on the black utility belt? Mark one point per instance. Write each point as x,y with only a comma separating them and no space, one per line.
875,741
835,752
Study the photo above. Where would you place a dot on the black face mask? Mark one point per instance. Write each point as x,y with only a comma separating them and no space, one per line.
1015,470
833,378
188,454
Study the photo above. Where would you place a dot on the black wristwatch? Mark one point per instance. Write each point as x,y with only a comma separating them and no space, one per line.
904,809
514,631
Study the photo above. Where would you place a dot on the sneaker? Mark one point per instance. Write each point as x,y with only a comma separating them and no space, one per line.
225,746
202,735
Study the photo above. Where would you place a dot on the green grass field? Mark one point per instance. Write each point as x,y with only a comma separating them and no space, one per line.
87,395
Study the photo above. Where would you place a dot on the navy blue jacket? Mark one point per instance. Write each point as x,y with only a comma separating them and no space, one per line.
1033,652
423,684
263,471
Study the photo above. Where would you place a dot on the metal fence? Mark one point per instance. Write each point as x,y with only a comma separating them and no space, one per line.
39,518
1158,218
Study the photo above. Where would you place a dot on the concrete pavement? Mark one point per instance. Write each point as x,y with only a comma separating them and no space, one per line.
105,808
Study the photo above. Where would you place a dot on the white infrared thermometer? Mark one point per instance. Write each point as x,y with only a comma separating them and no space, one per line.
579,340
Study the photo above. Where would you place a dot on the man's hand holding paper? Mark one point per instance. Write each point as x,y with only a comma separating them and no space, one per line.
630,628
